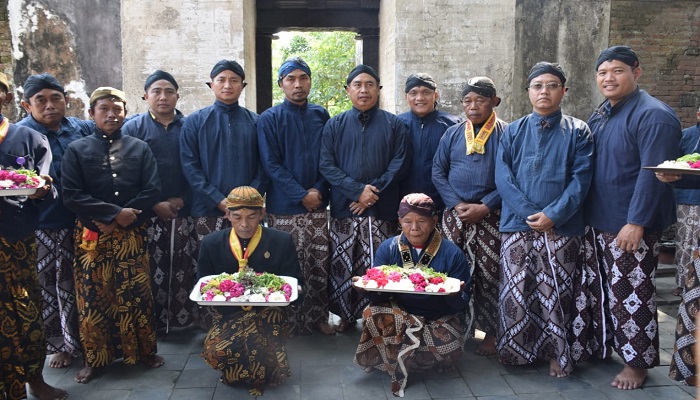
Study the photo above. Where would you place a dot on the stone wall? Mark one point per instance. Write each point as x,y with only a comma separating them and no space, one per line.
666,36
186,39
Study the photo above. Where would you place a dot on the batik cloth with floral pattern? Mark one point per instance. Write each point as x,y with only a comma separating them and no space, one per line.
22,344
115,301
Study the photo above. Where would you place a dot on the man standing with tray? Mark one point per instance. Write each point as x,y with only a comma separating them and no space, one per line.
248,344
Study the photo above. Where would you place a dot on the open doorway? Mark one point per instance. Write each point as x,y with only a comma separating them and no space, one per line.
330,55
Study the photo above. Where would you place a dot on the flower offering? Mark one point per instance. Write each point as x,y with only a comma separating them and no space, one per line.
246,286
19,179
395,278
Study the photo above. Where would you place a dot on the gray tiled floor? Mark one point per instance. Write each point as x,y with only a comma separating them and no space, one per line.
322,368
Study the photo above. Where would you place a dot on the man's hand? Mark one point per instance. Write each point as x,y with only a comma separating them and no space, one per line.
629,237
43,190
222,206
312,200
471,213
177,202
357,208
368,196
127,216
667,178
359,289
540,222
105,228
461,289
165,210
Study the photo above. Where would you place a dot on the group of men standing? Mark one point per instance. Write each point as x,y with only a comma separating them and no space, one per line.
557,220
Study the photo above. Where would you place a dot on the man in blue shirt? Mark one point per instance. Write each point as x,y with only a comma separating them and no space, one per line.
626,209
543,171
219,149
45,103
426,124
170,228
364,154
289,137
464,170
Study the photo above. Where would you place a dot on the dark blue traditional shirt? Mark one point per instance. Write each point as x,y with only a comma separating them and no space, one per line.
687,190
467,178
544,164
219,152
289,137
19,216
425,136
639,131
355,153
165,146
449,259
56,215
103,174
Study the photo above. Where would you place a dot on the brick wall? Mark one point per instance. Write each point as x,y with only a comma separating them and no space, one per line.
666,36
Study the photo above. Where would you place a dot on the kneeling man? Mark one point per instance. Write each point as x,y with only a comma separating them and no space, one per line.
247,344
415,331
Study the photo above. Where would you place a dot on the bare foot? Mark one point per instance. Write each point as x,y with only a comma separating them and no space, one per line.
44,391
153,361
445,366
60,360
85,375
487,346
368,369
325,328
630,378
555,369
345,325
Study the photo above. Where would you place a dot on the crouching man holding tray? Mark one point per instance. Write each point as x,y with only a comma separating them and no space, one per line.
403,331
247,344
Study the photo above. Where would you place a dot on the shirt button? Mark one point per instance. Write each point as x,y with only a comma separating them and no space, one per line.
112,158
111,141
114,175
116,193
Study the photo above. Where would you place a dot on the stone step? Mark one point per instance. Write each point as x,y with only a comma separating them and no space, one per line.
666,270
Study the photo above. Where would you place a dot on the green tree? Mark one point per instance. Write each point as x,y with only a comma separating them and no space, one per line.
330,55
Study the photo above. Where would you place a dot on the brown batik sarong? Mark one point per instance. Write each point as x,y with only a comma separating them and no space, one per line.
310,234
248,347
396,342
352,253
22,345
115,302
683,363
616,301
55,249
173,270
481,244
536,297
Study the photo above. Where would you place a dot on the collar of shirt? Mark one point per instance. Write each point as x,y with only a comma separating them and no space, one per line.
545,122
432,116
293,106
100,134
34,124
226,107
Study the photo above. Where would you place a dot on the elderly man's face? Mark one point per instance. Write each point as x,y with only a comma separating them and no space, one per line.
162,97
296,86
478,108
48,107
245,221
422,100
109,114
227,87
363,92
417,228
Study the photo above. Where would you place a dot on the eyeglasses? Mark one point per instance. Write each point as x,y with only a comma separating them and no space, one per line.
550,86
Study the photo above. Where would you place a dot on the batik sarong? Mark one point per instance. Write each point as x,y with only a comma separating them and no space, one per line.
615,301
203,227
60,313
687,234
310,234
352,253
248,347
396,342
481,244
22,345
173,272
115,302
536,297
683,361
